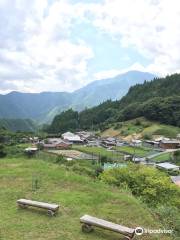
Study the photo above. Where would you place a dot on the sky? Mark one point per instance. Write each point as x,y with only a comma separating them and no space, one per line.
62,45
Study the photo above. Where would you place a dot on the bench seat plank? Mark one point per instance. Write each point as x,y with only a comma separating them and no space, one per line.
93,221
53,207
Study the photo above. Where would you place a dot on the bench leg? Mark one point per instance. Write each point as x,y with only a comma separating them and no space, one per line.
87,228
127,238
22,205
51,213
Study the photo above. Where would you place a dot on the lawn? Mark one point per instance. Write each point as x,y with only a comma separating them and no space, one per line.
163,157
76,194
138,151
99,151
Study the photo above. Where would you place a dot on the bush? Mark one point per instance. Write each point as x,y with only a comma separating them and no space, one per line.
60,159
170,218
147,136
117,126
148,183
2,151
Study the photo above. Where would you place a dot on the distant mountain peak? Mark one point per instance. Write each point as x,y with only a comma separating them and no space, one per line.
45,105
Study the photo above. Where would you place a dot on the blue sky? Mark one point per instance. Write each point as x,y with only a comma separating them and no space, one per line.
61,45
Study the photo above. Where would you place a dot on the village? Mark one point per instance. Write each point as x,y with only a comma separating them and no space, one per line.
112,152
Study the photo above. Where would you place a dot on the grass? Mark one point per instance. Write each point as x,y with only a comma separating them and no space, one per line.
77,195
99,151
140,127
161,129
163,157
138,151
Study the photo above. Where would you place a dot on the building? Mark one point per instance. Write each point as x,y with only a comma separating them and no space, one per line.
108,142
30,151
176,180
84,135
57,146
127,157
136,143
169,144
167,166
56,143
138,159
151,143
72,138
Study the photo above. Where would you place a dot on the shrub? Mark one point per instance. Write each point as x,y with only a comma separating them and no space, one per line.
2,151
148,183
170,219
147,136
60,159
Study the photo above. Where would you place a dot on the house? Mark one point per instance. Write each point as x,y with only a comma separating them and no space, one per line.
62,145
108,142
169,144
31,150
136,143
176,180
138,159
84,135
93,143
72,138
151,143
167,166
56,143
127,157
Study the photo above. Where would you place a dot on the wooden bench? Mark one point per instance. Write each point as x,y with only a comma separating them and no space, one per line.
52,208
88,222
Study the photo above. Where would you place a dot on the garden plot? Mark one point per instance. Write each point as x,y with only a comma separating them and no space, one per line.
74,154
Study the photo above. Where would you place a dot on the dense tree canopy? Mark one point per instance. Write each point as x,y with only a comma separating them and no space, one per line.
157,100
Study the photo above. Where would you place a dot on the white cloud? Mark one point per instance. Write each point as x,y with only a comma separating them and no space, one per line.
150,26
43,57
114,72
37,52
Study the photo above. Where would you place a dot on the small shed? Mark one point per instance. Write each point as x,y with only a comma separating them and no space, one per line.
167,166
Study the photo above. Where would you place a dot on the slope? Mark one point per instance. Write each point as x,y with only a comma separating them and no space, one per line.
77,195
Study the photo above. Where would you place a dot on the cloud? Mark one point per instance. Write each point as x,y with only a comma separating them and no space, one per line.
114,72
152,27
36,49
38,53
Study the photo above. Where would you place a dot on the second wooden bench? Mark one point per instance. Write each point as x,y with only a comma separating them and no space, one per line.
89,221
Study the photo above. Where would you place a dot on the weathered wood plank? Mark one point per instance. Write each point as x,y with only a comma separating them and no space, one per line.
93,221
53,207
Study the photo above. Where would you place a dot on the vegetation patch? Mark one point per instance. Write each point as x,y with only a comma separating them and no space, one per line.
77,195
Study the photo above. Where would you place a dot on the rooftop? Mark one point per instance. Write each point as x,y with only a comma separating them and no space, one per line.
167,165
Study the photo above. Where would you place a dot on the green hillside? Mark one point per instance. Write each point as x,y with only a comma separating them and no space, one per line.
44,106
157,100
76,194
14,125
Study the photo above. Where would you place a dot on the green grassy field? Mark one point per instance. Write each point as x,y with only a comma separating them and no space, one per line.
99,151
138,151
163,157
142,128
76,194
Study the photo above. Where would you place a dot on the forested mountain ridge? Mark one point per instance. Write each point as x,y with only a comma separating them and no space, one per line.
157,100
14,125
42,107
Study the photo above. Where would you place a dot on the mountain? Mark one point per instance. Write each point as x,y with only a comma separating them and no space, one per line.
112,88
44,106
14,125
157,100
